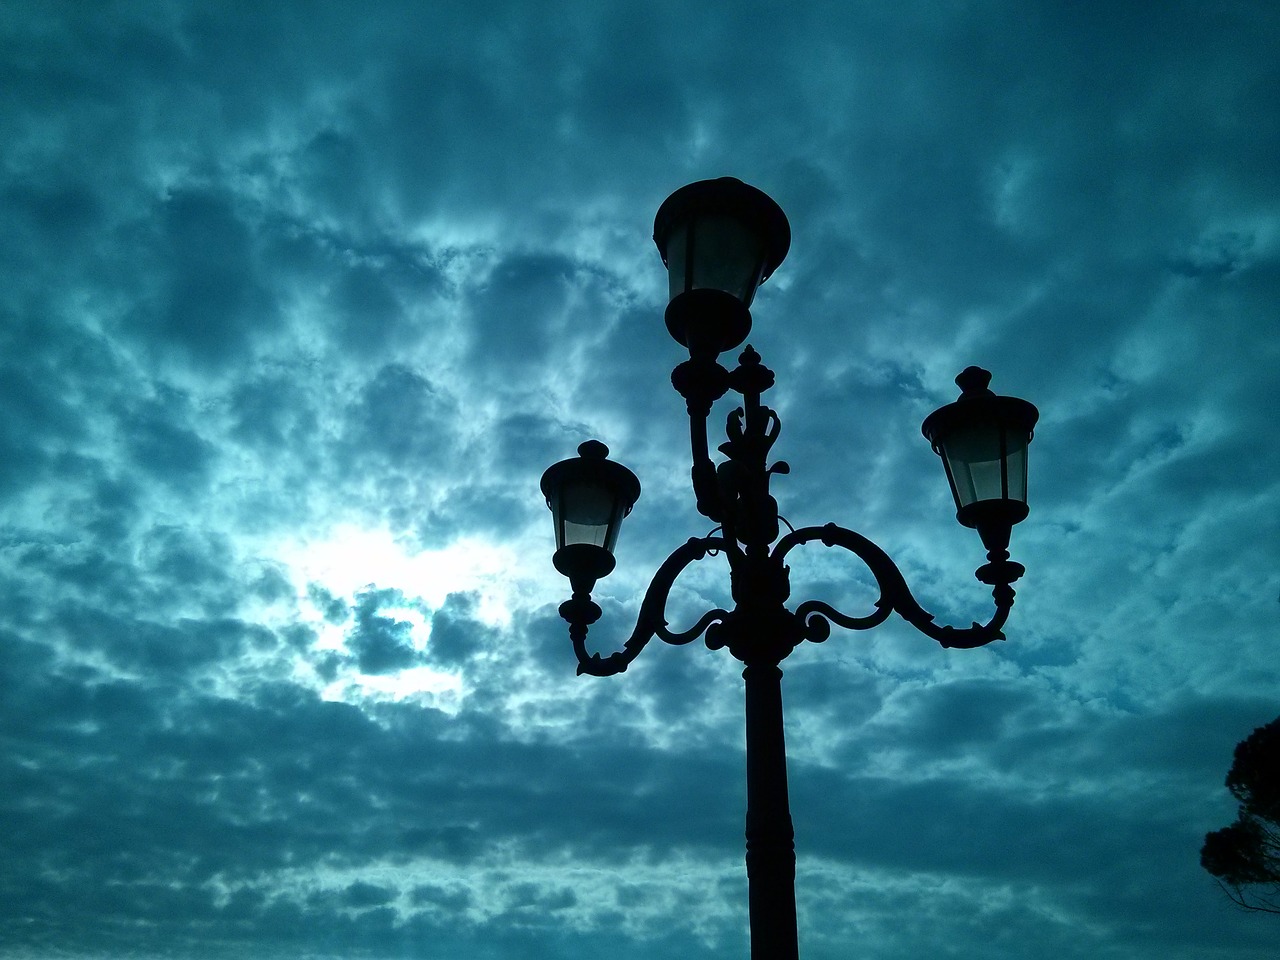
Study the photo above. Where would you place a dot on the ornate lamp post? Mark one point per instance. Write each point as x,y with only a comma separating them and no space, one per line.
720,239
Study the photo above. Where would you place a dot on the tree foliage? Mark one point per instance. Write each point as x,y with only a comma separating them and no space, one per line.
1245,857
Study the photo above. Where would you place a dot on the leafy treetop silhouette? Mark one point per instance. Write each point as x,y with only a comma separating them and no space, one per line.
1245,857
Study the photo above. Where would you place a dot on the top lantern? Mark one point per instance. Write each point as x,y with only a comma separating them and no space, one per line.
719,239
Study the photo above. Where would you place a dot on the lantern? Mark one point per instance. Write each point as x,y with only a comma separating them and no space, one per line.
719,239
982,439
588,496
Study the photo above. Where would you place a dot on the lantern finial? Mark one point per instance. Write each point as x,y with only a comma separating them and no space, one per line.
973,380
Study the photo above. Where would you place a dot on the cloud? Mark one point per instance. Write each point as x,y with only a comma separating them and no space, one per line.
299,305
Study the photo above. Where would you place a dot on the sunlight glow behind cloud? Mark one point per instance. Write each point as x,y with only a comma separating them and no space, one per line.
349,559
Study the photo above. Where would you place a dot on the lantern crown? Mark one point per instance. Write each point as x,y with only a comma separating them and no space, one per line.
757,215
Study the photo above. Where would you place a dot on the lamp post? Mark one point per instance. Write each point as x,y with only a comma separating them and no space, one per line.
720,239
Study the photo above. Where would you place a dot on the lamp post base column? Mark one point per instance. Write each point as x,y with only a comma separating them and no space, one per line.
771,852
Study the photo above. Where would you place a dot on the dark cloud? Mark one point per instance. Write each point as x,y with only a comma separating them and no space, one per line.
402,419
456,636
380,644
211,302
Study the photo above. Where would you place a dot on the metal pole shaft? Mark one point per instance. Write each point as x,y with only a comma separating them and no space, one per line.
771,852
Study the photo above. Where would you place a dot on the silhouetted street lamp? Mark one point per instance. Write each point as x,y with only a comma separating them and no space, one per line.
720,239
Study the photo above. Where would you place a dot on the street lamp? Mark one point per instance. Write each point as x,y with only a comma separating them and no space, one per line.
720,239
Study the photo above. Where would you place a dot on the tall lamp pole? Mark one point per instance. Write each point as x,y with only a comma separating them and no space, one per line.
720,239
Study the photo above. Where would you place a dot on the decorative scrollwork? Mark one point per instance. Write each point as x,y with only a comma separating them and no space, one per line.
812,611
735,494
651,621
895,595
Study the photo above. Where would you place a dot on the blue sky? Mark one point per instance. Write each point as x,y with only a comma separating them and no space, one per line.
299,301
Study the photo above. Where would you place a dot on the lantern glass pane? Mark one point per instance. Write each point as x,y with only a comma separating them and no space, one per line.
973,453
1016,466
588,514
727,255
677,255
974,456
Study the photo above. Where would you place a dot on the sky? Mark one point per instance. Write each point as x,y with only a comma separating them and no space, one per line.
299,300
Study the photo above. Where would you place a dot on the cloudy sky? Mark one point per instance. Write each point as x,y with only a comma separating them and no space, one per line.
299,300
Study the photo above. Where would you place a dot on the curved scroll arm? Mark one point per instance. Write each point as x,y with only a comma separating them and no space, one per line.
581,612
895,595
